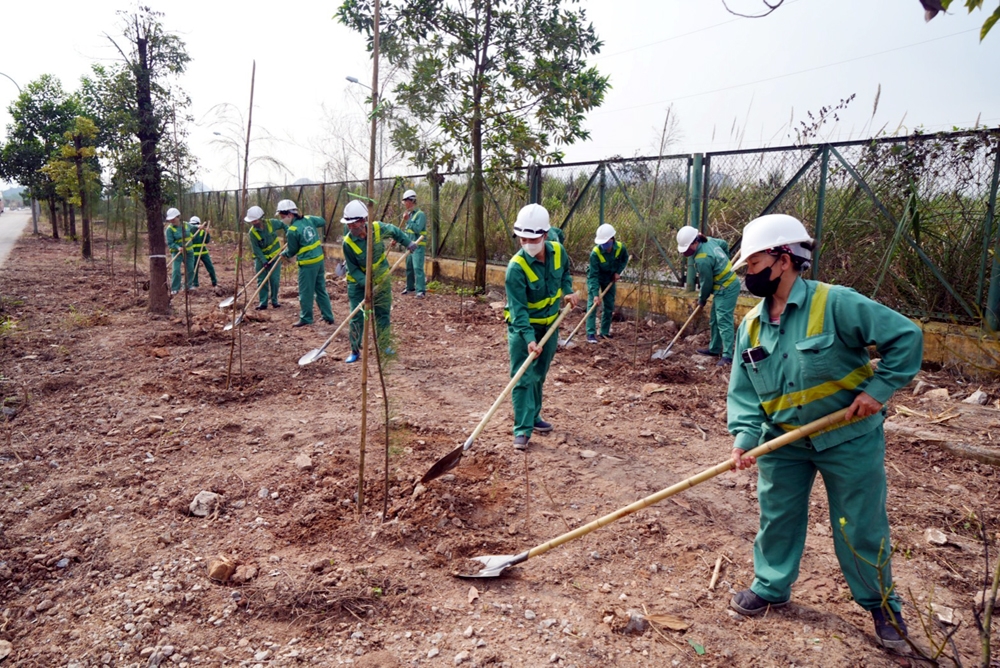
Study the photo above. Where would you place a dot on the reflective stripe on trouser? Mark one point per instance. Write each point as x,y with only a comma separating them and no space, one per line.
854,476
527,394
383,305
722,320
312,285
177,271
608,306
415,278
272,285
206,260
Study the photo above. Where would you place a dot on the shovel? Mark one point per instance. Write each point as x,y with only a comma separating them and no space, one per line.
228,301
317,353
451,460
238,319
494,565
664,353
564,343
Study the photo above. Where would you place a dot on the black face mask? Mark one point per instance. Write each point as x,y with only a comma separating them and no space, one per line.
761,284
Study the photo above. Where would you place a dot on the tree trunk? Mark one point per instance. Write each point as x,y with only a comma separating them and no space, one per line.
55,218
65,219
149,176
478,214
72,221
85,248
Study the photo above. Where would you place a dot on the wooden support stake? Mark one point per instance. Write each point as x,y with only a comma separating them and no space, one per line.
715,574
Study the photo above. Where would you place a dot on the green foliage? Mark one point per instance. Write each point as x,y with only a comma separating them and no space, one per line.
42,114
62,167
973,5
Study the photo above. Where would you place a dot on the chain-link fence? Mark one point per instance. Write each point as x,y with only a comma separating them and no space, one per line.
909,221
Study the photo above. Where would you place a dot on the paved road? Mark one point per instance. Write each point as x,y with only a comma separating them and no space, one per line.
12,224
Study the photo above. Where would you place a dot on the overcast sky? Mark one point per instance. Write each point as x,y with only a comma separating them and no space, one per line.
715,68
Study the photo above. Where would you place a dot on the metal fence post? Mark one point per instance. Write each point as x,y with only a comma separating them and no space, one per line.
694,196
602,189
705,193
993,296
534,184
820,206
435,222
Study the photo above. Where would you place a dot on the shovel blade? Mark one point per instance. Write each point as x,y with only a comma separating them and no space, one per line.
311,356
230,325
226,303
493,565
661,354
443,465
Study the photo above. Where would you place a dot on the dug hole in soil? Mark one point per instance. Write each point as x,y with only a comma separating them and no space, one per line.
116,420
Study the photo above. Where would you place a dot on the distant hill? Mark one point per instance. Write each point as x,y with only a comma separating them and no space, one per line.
305,182
14,195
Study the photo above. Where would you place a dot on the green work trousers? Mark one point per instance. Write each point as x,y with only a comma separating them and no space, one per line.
527,393
854,475
273,282
206,260
177,272
382,298
608,306
312,286
415,278
722,321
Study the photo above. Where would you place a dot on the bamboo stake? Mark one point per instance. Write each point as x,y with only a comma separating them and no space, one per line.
715,574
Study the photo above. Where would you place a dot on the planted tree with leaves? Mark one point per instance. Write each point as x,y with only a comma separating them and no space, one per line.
497,83
153,59
74,172
42,114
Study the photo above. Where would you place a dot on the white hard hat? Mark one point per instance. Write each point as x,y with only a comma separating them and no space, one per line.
604,234
354,211
409,194
254,213
771,231
685,237
286,205
195,220
532,221
173,213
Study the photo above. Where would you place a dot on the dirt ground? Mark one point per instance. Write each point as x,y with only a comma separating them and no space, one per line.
116,420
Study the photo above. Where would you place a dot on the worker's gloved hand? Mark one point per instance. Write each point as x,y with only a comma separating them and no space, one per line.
597,299
615,277
412,247
702,303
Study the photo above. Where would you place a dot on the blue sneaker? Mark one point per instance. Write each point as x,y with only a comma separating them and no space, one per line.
591,338
352,358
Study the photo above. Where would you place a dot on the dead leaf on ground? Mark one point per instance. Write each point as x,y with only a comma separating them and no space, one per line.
672,622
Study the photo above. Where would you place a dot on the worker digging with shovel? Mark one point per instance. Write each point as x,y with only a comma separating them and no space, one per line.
802,353
538,283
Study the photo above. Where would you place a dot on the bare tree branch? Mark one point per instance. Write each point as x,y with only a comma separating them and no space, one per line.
770,8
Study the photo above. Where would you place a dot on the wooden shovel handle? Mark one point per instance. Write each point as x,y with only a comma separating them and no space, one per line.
770,446
277,261
594,305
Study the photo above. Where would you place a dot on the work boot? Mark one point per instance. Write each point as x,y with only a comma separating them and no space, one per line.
521,442
605,336
725,361
301,323
329,322
750,604
543,427
406,291
275,305
420,295
591,338
352,358
260,307
708,353
886,634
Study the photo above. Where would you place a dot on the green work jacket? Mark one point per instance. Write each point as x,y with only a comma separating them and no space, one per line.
305,240
603,266
556,234
200,239
265,242
535,290
817,363
355,250
416,225
714,269
177,235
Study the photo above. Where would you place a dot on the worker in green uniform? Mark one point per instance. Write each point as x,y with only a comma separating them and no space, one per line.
607,261
715,273
538,283
803,354
304,235
265,245
200,239
355,259
178,236
556,234
415,224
